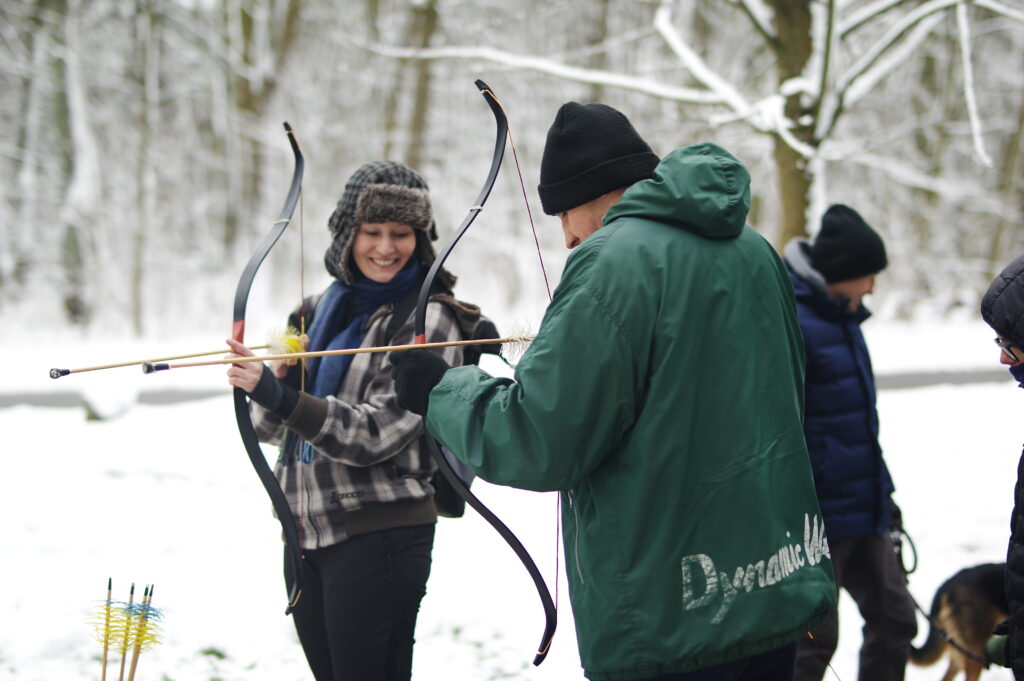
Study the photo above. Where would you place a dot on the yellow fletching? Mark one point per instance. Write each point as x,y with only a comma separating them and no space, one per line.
286,341
146,635
102,623
124,626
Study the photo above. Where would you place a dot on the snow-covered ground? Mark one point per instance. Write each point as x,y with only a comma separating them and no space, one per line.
164,494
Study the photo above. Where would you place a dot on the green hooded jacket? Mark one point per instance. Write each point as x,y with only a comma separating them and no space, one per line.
663,395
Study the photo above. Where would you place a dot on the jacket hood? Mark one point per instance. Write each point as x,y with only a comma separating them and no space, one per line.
809,284
1002,306
797,254
701,188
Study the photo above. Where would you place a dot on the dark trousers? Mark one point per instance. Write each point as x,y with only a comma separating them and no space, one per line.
360,598
776,665
867,567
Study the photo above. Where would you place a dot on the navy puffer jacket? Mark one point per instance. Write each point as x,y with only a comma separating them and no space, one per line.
840,421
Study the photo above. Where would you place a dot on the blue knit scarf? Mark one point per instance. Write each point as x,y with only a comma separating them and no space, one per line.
341,319
340,323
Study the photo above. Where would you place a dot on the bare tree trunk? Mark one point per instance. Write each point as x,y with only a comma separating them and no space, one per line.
390,107
420,31
424,26
1008,235
929,142
598,36
17,261
265,35
147,80
793,50
83,191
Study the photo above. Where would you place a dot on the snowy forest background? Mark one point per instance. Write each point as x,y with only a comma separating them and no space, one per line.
143,155
143,158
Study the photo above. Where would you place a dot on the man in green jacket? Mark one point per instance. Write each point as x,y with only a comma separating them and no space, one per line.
663,396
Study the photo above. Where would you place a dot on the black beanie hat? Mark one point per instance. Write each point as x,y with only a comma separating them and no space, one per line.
846,247
591,149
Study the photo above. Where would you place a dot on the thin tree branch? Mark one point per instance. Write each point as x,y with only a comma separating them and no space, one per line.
873,54
694,64
964,30
826,58
1000,8
758,13
865,14
768,116
892,59
557,69
959,190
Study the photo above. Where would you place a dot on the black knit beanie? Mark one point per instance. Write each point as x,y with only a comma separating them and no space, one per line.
846,247
591,149
1002,306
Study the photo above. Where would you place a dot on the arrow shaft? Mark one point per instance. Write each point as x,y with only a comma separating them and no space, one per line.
333,353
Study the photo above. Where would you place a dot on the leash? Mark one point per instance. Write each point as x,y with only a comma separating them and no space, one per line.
823,655
898,533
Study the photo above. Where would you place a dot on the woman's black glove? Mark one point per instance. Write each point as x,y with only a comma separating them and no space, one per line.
416,372
274,395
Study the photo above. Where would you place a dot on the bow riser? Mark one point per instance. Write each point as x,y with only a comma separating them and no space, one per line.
550,613
242,416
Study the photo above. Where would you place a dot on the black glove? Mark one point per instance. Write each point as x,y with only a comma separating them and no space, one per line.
275,395
416,372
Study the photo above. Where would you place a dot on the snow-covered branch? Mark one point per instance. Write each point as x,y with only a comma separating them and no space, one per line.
964,30
885,55
1000,8
958,190
557,69
870,59
766,115
883,44
769,115
891,59
694,64
760,16
865,14
825,52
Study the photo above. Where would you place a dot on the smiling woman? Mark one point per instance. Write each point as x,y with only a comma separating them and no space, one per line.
351,464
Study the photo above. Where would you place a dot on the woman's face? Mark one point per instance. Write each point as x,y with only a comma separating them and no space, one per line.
382,249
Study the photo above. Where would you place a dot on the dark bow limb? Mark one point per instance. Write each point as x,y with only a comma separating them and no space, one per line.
550,614
245,426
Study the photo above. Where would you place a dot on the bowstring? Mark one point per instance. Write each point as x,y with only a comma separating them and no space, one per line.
547,286
302,290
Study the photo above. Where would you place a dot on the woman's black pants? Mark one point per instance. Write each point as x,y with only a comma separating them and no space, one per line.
357,613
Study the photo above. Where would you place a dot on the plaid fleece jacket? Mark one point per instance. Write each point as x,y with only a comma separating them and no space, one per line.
368,470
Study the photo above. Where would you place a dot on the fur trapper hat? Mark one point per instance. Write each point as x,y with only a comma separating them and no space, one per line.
382,191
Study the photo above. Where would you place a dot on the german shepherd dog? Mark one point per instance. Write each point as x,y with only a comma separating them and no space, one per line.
965,609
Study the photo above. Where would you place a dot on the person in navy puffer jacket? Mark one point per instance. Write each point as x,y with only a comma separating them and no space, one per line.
831,275
1002,308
